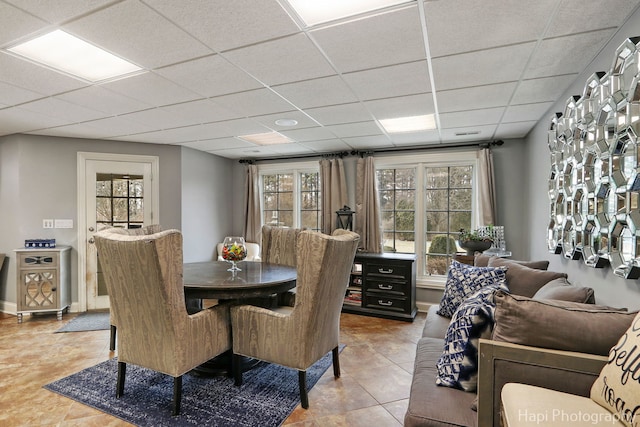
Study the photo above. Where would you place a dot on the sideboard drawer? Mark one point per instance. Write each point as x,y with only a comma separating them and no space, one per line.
386,302
388,287
389,270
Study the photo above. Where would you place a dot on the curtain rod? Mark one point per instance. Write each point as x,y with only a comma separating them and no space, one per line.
363,153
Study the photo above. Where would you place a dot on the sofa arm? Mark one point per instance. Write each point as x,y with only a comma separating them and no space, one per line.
500,363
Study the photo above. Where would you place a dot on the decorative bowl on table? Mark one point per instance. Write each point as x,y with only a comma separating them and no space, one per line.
234,250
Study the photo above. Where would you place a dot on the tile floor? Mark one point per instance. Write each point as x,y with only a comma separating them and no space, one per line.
373,389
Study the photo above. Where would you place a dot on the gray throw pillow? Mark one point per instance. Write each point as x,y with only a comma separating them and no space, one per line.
559,325
523,280
561,289
482,260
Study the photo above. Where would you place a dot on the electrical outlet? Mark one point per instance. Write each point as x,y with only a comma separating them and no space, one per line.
47,223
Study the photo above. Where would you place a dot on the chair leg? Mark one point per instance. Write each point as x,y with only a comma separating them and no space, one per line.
122,371
236,367
112,339
177,394
336,362
302,381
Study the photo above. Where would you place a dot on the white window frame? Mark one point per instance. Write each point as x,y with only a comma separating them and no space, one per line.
419,162
294,168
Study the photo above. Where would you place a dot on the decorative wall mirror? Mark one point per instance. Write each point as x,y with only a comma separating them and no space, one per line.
594,183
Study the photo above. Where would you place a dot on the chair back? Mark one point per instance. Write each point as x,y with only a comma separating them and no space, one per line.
279,245
324,265
151,316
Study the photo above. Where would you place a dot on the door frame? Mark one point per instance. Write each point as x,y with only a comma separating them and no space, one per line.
82,158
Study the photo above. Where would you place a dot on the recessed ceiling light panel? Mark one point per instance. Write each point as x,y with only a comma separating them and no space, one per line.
62,51
409,124
268,138
315,12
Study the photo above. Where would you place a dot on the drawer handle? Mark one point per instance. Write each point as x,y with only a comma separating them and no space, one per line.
385,287
385,303
383,271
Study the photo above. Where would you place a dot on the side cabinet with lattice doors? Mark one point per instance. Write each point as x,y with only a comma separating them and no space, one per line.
43,280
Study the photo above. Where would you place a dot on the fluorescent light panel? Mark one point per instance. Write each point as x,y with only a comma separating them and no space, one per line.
269,138
69,54
409,124
315,12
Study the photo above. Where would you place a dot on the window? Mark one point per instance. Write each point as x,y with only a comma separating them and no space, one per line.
119,200
291,196
424,202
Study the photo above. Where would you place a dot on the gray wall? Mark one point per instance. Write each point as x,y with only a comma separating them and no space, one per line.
207,209
609,289
38,180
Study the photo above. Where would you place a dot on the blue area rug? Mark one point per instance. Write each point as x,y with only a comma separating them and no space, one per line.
87,321
268,395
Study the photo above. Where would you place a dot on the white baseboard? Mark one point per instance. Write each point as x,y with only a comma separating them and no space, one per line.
423,307
8,307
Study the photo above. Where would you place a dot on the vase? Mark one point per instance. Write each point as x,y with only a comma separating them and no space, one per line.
234,250
473,246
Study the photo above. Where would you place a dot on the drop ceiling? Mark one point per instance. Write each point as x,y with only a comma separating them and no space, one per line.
218,69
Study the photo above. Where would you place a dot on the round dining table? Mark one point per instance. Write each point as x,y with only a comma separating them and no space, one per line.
212,280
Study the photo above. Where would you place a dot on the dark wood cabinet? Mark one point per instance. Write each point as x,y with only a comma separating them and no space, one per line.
383,285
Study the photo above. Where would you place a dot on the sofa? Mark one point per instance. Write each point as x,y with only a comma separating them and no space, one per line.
525,344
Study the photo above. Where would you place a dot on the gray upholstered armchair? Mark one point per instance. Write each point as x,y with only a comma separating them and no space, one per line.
299,336
142,231
155,331
279,247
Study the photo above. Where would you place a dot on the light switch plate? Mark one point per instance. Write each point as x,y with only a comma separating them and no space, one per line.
63,223
47,223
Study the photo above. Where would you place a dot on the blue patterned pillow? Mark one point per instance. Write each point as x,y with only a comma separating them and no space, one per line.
458,365
463,280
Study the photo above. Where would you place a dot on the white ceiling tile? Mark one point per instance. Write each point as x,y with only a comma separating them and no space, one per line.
101,99
269,120
118,126
246,152
367,142
151,89
489,66
387,82
170,136
210,76
484,133
157,118
514,130
309,134
403,106
355,129
326,145
456,26
541,90
472,98
27,75
317,93
224,25
292,149
284,60
241,127
143,37
75,130
17,120
336,114
254,102
219,144
68,111
576,51
415,138
487,116
200,111
576,16
520,113
13,95
15,23
397,36
56,11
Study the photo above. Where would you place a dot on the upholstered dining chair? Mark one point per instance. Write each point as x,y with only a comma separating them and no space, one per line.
154,328
279,247
298,336
142,231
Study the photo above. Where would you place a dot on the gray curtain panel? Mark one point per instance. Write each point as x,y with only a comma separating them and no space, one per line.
252,220
486,189
367,220
334,191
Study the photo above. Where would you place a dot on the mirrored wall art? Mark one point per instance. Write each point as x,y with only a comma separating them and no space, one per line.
594,182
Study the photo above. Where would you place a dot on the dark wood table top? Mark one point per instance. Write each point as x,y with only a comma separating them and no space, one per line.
256,279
